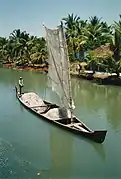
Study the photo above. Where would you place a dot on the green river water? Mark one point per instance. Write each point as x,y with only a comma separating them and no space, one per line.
30,145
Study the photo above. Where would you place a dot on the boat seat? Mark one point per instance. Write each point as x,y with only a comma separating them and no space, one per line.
73,124
70,125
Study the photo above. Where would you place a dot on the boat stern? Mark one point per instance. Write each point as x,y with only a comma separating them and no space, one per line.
99,136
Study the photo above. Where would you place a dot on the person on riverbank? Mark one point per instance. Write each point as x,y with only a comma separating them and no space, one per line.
21,85
78,68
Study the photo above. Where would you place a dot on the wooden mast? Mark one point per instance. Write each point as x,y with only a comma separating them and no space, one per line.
69,78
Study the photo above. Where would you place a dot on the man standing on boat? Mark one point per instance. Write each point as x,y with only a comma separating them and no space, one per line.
21,84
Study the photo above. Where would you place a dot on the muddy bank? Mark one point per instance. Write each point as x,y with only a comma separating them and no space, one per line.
101,79
110,80
39,68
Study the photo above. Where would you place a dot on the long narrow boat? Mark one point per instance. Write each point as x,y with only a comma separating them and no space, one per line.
58,115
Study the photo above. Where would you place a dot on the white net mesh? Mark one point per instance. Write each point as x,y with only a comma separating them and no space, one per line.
58,72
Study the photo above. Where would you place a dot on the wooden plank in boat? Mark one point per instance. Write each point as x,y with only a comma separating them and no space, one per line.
79,127
39,106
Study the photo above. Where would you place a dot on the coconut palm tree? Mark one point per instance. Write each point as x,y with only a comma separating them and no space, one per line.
71,22
98,33
116,45
3,45
21,42
117,39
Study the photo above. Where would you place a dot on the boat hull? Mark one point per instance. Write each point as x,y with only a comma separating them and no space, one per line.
97,136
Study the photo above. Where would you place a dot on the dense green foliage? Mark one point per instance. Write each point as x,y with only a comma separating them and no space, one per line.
22,48
83,37
86,36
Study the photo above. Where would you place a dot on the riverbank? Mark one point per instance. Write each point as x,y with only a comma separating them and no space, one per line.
98,77
39,68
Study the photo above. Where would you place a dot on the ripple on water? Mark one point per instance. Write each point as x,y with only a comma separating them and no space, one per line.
12,165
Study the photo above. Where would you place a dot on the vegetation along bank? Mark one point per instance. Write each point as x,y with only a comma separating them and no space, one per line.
92,43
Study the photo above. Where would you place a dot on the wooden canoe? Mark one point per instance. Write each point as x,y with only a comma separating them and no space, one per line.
60,116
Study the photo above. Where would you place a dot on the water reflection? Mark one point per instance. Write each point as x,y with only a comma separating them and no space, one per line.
11,77
113,108
21,107
92,97
99,148
63,153
38,146
61,147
